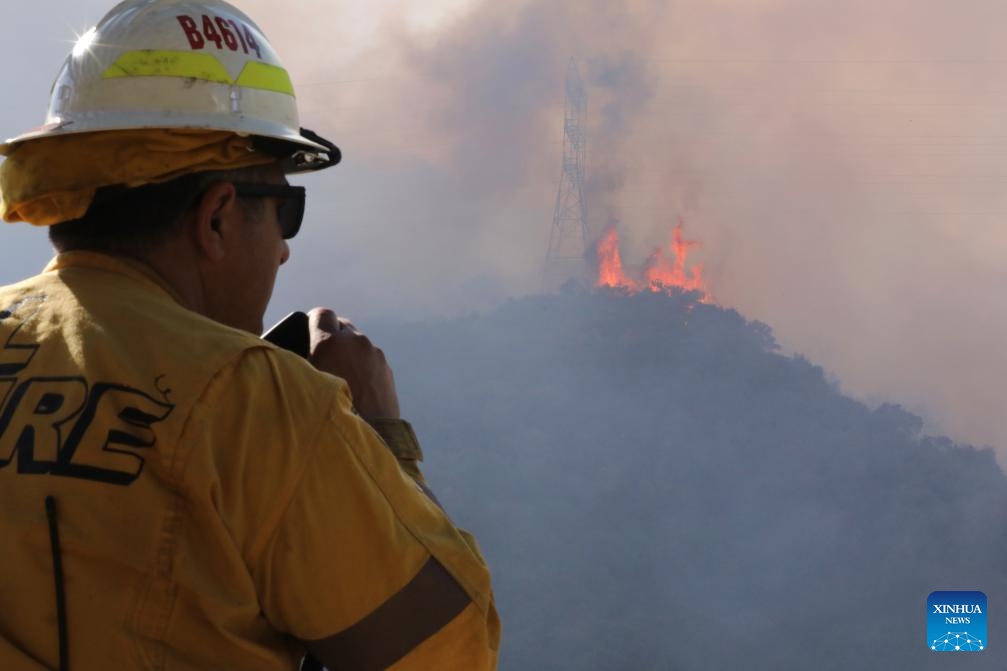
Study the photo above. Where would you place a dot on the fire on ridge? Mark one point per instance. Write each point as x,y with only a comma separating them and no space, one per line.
666,269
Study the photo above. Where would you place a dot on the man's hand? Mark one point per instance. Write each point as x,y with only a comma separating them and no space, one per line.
337,347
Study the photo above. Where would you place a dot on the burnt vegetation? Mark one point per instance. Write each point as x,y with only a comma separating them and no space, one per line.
657,487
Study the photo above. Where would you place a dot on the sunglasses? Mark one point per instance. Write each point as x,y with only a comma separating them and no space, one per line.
291,209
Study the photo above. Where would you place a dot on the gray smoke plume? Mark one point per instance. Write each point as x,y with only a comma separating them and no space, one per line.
840,163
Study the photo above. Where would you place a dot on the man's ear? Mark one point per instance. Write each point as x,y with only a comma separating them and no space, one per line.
215,219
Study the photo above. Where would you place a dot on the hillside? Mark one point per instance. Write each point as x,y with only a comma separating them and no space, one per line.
656,487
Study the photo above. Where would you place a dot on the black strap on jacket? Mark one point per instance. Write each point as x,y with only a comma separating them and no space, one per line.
57,569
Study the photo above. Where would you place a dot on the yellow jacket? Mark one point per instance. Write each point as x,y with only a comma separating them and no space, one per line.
216,498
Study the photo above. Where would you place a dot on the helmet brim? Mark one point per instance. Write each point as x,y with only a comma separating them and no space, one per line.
309,153
305,151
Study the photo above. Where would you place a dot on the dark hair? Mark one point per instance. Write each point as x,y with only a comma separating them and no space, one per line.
132,221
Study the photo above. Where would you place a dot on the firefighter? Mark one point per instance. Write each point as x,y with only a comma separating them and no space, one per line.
178,493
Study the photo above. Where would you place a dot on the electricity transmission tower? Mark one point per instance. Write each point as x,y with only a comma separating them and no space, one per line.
568,237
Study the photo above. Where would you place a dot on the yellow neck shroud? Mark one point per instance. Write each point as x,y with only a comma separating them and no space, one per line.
50,180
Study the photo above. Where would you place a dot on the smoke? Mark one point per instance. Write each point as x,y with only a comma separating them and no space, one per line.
840,162
453,143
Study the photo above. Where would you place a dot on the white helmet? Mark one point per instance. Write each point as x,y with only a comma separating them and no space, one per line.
181,64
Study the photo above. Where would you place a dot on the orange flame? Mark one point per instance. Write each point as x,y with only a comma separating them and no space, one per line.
661,273
664,272
610,273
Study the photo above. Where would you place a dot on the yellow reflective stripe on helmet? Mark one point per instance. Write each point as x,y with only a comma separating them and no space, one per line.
258,75
157,63
160,63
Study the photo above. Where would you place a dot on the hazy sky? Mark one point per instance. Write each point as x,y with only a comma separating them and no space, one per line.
842,163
